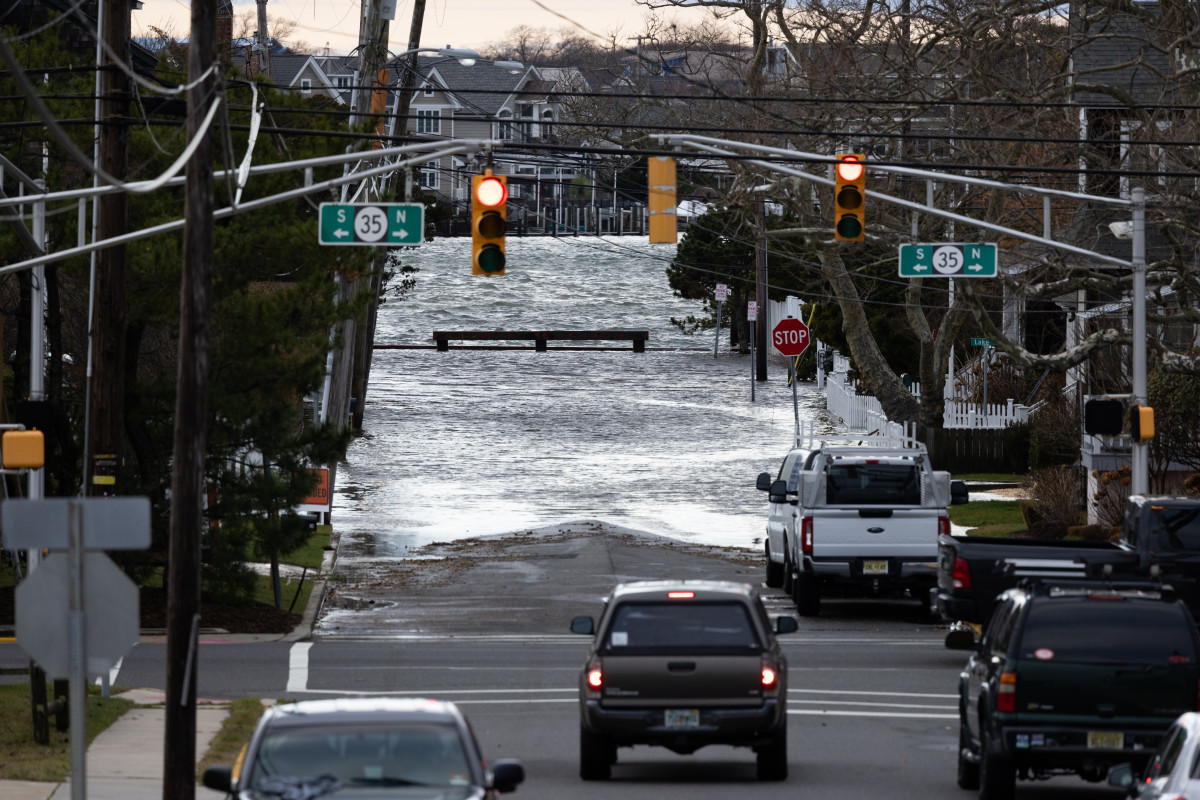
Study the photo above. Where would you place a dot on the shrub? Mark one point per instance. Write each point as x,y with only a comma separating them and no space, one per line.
1056,502
1111,496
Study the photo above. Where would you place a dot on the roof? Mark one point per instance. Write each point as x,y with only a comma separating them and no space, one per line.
490,86
364,709
1119,39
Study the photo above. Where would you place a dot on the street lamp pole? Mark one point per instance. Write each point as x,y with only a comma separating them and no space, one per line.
1140,479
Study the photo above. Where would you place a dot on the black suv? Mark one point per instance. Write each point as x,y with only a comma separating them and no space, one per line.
1072,677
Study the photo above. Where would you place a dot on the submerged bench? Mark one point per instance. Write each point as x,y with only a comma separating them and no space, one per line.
540,338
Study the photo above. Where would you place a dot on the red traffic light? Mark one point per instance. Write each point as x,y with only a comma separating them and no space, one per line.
491,192
849,168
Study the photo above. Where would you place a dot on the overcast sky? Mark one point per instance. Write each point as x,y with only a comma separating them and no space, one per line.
460,23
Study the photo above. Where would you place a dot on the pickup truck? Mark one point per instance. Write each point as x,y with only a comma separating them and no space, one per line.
859,520
1159,540
1072,677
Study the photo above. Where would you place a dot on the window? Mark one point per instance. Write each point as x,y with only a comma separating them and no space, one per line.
1109,631
504,126
343,81
873,484
305,86
429,175
429,121
681,625
547,126
428,89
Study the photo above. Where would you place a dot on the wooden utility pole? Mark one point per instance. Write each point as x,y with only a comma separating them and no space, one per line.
107,437
191,420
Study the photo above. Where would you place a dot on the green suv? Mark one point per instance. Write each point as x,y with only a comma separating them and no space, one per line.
1072,677
681,665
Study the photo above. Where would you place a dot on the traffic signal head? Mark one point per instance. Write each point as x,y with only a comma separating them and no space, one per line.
1141,423
489,221
1103,417
849,193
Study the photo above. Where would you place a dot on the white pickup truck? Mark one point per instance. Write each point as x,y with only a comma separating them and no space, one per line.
856,519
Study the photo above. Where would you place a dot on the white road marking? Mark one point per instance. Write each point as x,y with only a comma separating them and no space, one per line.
821,713
298,667
884,694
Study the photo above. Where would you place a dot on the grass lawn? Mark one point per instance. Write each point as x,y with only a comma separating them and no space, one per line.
226,747
21,758
989,517
991,477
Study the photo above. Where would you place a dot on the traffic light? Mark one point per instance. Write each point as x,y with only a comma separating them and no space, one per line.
489,221
848,196
1141,423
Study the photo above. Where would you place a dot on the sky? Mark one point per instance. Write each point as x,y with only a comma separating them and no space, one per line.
460,23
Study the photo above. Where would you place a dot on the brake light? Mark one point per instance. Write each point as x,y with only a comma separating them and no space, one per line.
595,676
770,678
681,595
806,535
1006,697
962,574
943,526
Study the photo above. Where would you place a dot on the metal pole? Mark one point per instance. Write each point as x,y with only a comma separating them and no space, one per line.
1140,479
76,655
752,324
795,400
987,353
37,345
717,338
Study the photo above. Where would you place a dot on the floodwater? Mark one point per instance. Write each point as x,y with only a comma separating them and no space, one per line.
474,442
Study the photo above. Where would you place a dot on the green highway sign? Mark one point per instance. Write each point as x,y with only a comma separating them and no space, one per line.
947,261
372,223
978,342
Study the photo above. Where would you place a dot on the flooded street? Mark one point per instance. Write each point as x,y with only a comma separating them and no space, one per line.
476,442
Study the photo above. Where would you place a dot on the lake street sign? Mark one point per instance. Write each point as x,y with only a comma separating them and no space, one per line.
948,260
371,224
979,342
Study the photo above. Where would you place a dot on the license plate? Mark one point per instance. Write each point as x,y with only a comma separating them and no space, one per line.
1104,740
682,718
875,567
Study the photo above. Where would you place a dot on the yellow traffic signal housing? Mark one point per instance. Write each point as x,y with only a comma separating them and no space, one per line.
23,449
661,200
1141,423
489,222
849,196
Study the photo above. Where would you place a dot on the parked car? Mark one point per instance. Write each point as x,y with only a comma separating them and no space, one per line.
858,520
1174,770
1072,677
1159,540
365,748
682,665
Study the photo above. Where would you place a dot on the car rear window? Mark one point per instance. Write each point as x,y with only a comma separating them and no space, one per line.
873,484
1174,528
681,625
1108,631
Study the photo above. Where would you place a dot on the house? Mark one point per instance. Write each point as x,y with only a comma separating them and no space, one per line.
78,30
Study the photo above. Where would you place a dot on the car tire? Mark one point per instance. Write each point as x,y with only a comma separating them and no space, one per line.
596,756
997,778
968,771
774,570
808,594
772,764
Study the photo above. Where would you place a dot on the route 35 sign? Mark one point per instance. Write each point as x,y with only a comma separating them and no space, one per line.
790,337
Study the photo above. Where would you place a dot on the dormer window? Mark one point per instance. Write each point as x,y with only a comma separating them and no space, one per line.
428,89
305,86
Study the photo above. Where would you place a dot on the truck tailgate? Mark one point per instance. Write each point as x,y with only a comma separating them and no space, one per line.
874,531
702,681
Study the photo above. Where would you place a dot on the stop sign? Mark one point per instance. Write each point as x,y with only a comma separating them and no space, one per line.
790,337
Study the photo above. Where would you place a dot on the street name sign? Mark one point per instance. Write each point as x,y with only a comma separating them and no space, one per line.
979,342
948,260
790,337
371,224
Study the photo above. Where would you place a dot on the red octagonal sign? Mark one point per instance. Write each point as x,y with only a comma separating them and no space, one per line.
790,337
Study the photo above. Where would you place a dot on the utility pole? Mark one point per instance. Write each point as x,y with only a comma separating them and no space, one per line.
108,335
191,418
373,62
262,42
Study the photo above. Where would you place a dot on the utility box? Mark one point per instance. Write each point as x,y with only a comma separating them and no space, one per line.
23,449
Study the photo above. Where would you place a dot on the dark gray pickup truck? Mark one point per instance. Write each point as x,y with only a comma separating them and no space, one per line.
1159,540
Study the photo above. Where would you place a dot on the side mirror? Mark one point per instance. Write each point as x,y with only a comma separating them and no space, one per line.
779,492
960,639
958,493
786,625
219,778
583,625
1121,776
506,774
764,482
